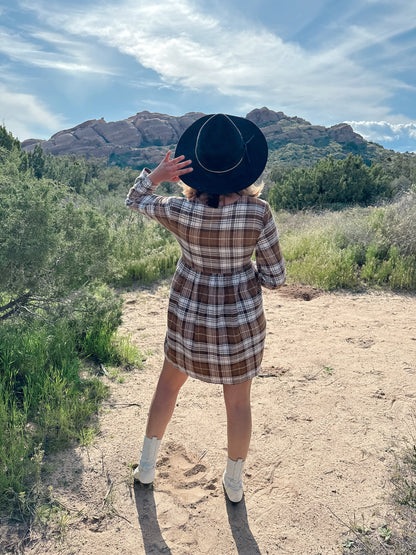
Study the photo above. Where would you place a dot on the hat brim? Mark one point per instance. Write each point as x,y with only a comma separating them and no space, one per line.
244,175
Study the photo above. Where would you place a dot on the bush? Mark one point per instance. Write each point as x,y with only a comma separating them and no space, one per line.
50,246
329,183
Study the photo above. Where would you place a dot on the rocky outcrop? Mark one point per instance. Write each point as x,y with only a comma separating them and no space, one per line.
140,139
280,129
99,138
265,117
343,133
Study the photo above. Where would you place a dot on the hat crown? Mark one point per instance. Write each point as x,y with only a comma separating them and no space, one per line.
219,146
228,153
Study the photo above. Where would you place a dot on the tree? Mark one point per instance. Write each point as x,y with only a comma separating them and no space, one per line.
50,246
37,161
7,140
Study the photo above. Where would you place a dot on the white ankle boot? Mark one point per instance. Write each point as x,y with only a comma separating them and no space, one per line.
233,480
145,472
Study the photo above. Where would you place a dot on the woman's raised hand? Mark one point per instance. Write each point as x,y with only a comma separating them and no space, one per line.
170,170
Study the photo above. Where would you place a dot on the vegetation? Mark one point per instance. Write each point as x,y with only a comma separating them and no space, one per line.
57,311
329,183
335,236
292,155
353,248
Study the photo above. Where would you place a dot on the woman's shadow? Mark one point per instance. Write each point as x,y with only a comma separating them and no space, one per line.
244,539
146,509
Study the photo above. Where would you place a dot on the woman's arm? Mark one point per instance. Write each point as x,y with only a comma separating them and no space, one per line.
141,197
269,259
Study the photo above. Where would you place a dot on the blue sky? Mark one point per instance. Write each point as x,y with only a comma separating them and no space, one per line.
62,63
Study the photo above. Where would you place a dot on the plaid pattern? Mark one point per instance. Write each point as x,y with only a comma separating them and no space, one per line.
216,324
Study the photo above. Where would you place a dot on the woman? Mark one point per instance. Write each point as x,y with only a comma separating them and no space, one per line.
216,325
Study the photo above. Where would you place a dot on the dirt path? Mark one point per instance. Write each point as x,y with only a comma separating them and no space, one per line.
335,397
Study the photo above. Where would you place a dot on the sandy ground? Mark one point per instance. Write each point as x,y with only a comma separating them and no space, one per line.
331,406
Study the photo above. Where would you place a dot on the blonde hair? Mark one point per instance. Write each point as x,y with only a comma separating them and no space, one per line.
250,191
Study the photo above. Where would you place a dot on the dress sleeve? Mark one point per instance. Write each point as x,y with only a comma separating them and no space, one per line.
270,263
141,198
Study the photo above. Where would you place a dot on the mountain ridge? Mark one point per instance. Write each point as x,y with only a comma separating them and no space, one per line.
142,139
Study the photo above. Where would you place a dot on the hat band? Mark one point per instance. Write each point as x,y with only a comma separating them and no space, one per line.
219,171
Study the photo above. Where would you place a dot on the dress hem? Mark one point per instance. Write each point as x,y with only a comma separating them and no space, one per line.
215,380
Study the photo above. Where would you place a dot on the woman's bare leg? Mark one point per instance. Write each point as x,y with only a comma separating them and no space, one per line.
164,400
237,403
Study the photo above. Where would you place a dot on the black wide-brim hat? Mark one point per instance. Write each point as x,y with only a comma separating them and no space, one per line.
228,153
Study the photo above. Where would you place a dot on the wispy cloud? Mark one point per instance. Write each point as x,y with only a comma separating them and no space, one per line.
35,49
26,115
190,48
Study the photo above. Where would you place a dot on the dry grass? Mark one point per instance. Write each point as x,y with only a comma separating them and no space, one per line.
353,248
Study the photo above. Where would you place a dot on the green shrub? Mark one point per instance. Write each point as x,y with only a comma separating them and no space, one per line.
329,183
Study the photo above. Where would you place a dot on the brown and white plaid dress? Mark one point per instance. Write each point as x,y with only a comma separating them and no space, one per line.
216,325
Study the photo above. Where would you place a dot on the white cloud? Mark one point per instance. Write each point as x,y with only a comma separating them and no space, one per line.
401,136
26,116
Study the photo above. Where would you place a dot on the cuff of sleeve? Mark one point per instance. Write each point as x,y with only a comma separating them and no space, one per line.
143,181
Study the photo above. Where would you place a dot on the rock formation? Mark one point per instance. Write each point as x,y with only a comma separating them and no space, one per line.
141,139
